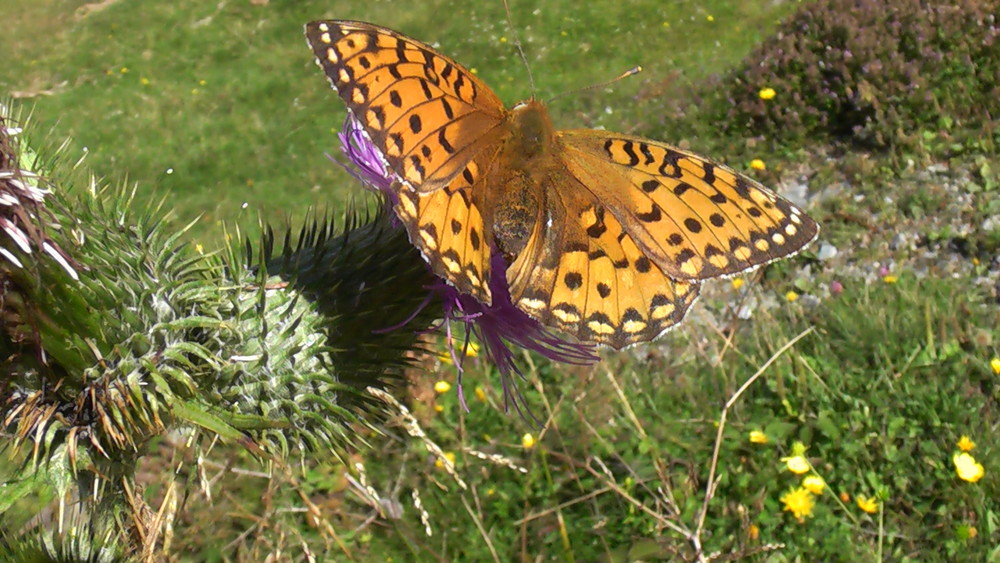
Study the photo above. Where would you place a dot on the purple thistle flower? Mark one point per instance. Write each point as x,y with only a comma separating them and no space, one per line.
497,326
372,168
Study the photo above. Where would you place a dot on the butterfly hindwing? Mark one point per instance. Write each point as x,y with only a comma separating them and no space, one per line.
583,274
448,228
427,114
696,219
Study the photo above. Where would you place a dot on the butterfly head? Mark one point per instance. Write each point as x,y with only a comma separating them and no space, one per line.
532,132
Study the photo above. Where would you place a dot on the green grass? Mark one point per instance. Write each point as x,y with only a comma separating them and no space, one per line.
880,391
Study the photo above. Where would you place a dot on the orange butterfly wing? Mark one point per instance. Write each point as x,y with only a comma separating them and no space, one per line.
694,218
584,274
438,128
429,115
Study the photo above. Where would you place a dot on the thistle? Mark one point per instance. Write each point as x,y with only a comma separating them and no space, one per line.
115,332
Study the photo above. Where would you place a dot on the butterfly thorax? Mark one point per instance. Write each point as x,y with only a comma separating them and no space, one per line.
527,157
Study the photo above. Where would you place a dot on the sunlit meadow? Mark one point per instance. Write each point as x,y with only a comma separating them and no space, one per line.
839,406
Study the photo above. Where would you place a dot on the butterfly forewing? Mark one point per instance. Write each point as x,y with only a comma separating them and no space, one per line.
426,113
696,219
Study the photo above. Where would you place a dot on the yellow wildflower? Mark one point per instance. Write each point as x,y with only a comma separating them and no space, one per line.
528,441
995,364
471,351
845,497
758,437
710,18
869,505
753,532
797,464
890,279
967,468
480,394
758,164
738,283
966,444
767,93
799,502
791,296
814,484
442,387
144,81
439,463
438,408
124,70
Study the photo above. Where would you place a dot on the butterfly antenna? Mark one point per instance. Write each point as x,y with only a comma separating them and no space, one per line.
520,49
630,72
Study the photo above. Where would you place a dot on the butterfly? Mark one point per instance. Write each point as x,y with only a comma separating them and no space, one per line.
605,236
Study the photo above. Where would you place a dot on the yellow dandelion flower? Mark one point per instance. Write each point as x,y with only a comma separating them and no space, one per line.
564,33
995,364
442,387
528,441
503,39
202,82
480,394
753,532
438,408
966,444
737,283
869,505
474,70
799,502
758,164
767,93
814,484
124,70
491,491
710,18
791,297
144,81
439,463
758,437
890,279
967,468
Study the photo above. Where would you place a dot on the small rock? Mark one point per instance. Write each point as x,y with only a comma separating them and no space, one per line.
826,251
